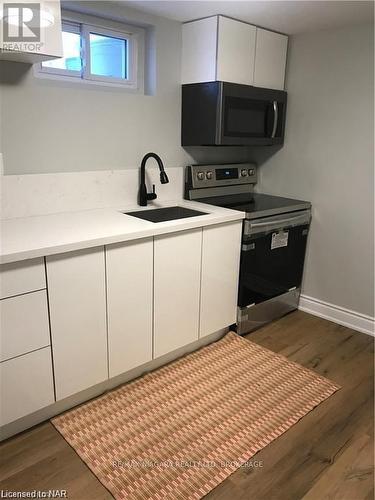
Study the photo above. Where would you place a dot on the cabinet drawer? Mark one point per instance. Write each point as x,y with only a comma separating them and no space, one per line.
21,277
24,324
26,385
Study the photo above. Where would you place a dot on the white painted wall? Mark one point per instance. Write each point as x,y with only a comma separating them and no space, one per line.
50,126
328,158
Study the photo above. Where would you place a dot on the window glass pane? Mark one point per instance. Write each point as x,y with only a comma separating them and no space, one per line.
108,56
72,53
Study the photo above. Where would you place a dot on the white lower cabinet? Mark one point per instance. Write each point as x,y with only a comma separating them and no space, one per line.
22,277
77,299
26,385
221,248
24,324
177,266
111,310
129,302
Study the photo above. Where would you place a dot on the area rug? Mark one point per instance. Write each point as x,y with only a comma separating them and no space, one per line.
177,432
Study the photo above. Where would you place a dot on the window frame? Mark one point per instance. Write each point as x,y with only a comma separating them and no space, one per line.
70,27
131,40
85,76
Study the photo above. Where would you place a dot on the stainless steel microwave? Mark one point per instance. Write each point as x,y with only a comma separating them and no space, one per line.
230,114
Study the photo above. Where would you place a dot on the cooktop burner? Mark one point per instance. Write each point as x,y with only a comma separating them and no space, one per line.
257,204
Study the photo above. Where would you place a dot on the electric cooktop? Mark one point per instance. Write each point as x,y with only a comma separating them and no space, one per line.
257,204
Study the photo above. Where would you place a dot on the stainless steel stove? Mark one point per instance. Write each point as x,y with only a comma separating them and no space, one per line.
274,239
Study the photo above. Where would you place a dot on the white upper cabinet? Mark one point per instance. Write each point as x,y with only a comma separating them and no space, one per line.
77,300
235,51
270,59
199,51
129,302
38,38
218,48
224,49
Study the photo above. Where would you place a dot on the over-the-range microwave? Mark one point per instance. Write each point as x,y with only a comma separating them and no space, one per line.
230,114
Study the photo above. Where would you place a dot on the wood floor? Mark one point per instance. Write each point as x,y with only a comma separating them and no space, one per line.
326,455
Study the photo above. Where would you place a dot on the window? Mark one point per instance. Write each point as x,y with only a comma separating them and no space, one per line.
71,64
96,54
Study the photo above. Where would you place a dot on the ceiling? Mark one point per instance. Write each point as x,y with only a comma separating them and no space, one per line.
289,17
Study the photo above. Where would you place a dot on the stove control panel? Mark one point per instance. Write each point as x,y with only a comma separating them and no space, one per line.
206,176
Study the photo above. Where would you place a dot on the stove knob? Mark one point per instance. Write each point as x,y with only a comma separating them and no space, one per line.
200,176
209,175
251,171
243,173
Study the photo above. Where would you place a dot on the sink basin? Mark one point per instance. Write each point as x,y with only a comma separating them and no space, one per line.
165,214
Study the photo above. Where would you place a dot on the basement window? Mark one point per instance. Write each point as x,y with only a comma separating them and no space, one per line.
95,54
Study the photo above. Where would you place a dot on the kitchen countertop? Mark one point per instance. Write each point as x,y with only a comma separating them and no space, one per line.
38,236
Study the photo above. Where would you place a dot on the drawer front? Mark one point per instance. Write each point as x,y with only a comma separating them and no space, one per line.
21,277
24,324
26,385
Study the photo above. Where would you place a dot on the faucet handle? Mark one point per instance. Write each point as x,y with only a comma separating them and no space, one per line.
153,195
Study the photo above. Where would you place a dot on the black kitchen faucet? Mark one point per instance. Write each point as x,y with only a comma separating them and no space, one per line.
144,196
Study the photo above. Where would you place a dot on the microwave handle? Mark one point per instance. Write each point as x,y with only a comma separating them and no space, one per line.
275,118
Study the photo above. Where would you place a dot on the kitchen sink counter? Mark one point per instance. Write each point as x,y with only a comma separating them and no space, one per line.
38,236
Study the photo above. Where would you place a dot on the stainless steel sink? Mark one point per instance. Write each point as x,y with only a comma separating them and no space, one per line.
165,214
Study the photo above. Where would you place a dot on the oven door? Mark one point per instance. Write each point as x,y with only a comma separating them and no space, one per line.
252,116
272,256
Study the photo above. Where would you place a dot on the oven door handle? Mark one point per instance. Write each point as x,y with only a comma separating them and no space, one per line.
291,220
275,118
256,227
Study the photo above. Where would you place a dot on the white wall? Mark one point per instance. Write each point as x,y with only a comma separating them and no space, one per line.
328,158
49,126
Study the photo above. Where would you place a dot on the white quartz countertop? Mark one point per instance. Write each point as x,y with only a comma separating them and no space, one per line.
38,236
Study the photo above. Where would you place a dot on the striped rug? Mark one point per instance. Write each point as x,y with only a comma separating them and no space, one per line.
179,431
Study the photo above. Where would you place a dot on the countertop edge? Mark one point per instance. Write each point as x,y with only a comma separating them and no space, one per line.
149,231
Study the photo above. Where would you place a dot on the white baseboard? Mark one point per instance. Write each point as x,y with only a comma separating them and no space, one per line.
346,317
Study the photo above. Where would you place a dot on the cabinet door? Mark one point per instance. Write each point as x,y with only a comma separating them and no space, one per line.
26,385
76,287
270,59
198,62
129,302
177,264
235,51
221,249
